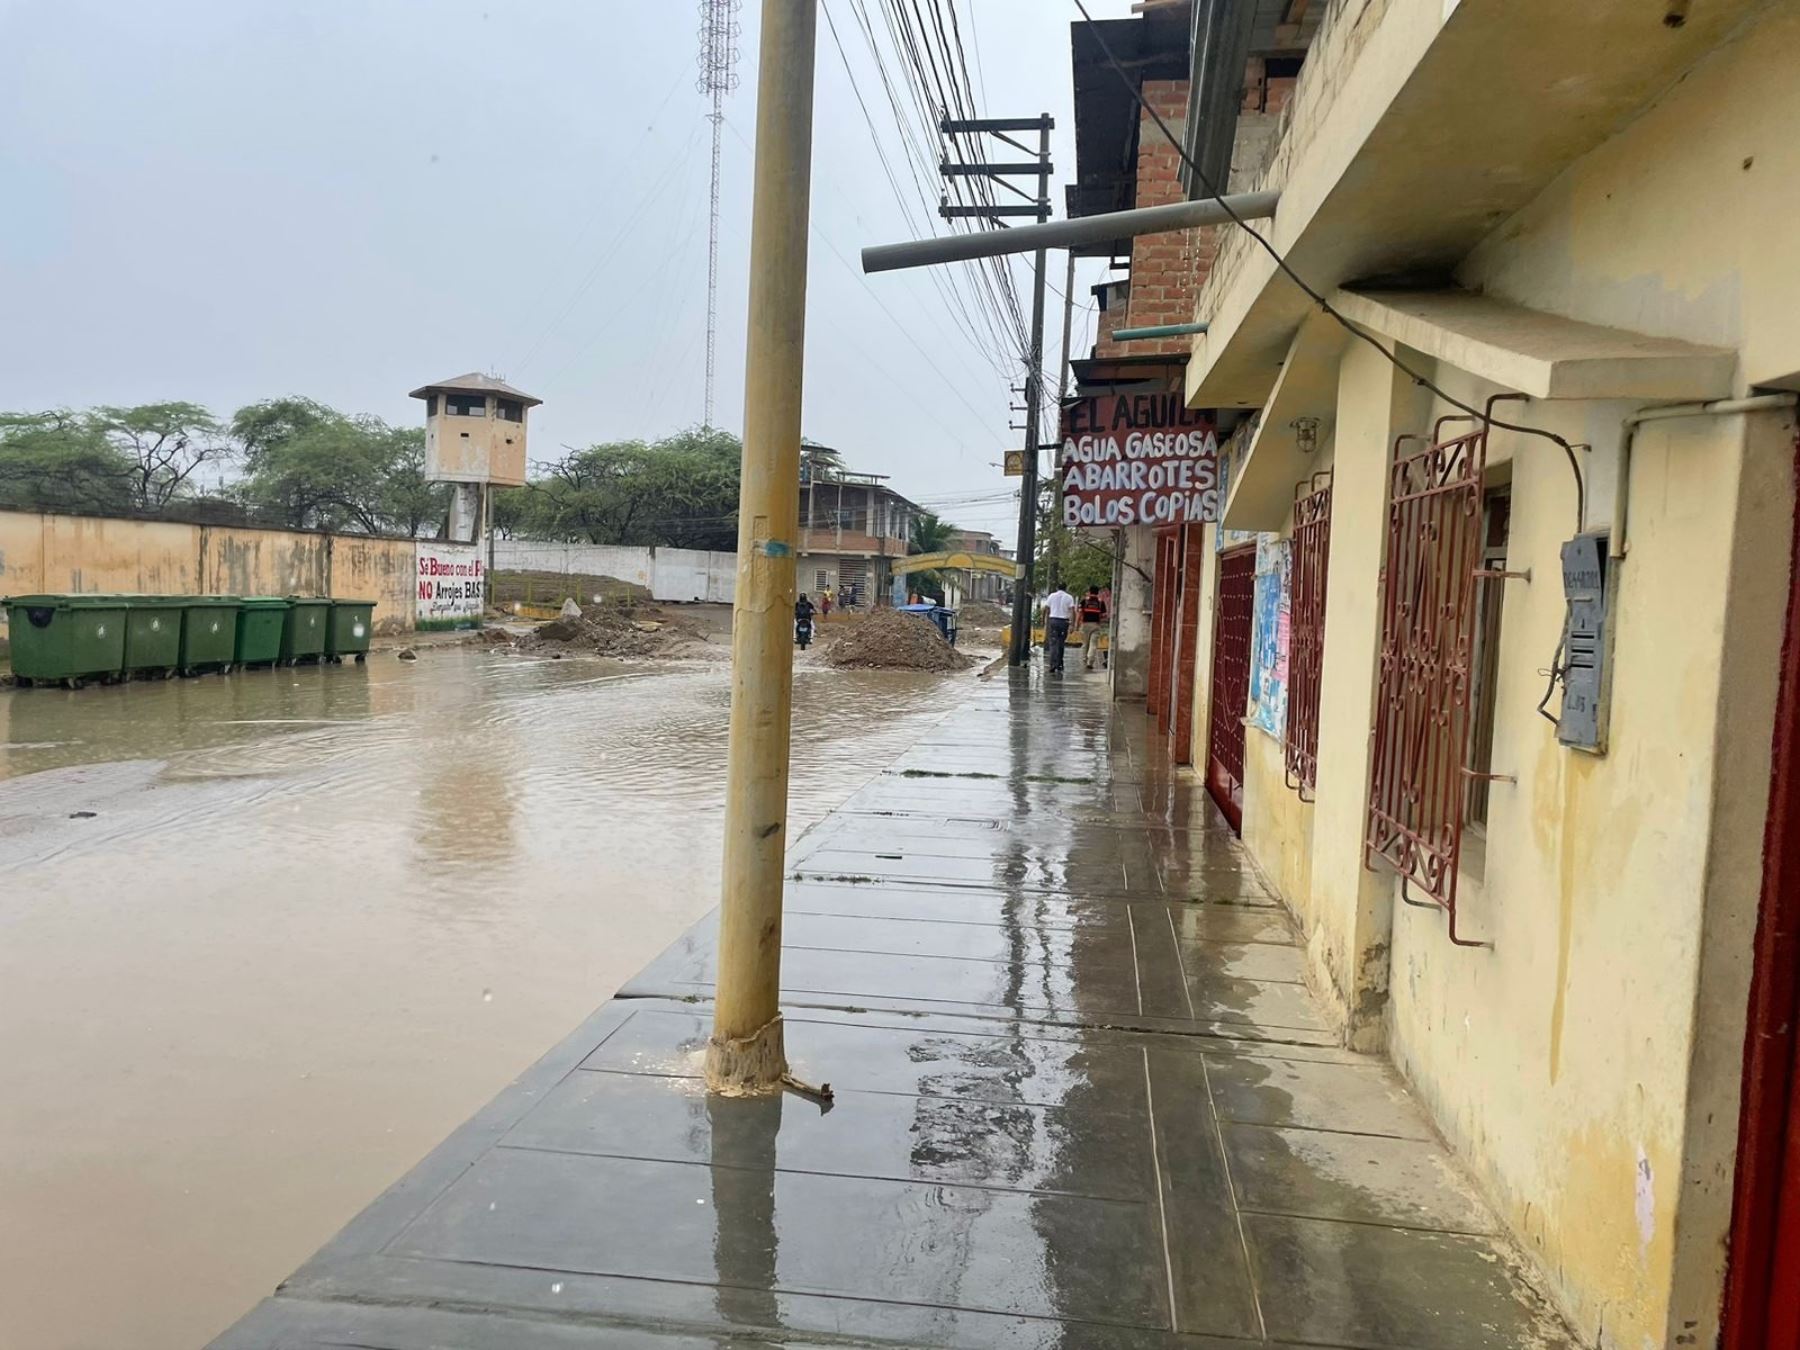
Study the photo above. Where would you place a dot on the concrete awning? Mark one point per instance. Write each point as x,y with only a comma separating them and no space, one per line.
1263,489
1411,138
1544,355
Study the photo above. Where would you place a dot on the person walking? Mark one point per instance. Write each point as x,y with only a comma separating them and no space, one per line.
1059,608
1093,623
825,603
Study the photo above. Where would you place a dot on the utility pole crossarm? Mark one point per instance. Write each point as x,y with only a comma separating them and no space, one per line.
954,125
995,170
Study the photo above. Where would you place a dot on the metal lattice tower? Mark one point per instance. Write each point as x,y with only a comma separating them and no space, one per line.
718,77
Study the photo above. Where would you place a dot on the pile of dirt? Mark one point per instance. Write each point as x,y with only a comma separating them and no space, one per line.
889,640
552,588
621,627
983,614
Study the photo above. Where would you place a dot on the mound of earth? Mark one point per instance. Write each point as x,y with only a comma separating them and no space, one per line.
620,627
890,640
983,614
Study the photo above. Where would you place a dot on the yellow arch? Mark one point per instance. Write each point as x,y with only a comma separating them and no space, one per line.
966,562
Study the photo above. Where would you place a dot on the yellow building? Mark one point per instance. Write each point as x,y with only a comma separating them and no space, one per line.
1506,716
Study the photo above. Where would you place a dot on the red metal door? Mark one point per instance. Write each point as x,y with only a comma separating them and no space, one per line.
1187,635
1762,1292
1230,683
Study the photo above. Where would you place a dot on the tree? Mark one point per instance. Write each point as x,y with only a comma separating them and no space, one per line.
311,467
929,534
681,491
1085,564
165,445
61,461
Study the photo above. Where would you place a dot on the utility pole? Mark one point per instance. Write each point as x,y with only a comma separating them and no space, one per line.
746,1053
1037,207
1057,532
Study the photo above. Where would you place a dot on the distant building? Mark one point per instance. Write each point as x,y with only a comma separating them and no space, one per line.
980,585
851,526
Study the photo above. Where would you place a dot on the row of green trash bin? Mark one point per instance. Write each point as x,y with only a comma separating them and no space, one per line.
70,639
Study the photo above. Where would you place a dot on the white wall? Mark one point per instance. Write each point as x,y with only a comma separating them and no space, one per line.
678,574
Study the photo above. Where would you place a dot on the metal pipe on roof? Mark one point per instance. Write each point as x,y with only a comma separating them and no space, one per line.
1068,233
1159,330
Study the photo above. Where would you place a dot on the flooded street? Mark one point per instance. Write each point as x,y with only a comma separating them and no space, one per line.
266,939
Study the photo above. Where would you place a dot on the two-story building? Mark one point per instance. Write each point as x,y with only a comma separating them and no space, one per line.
1494,657
852,525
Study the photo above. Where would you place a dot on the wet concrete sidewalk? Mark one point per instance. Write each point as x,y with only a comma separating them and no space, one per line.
1082,1099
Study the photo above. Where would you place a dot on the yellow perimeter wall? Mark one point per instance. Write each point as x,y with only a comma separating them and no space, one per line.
53,554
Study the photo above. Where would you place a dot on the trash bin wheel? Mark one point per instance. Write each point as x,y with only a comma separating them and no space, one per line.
74,682
361,657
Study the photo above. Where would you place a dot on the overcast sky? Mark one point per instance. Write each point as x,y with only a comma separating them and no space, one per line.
226,200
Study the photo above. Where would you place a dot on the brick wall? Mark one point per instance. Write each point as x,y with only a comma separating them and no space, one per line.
1115,302
1166,269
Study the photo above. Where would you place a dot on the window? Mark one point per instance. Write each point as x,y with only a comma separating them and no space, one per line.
1496,522
1418,772
431,405
509,409
465,405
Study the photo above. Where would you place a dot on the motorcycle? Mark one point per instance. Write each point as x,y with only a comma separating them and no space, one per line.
803,631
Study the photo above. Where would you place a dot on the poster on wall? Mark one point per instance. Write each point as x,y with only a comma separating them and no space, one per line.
452,585
1271,617
1137,459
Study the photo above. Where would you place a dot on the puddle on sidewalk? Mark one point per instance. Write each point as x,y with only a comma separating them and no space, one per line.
315,919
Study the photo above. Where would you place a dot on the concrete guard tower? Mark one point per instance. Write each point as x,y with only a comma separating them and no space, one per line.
475,441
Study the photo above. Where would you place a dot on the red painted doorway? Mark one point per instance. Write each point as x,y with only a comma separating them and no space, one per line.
1230,689
1762,1291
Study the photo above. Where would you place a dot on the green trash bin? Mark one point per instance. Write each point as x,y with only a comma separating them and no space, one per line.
66,638
208,632
303,633
152,634
261,621
352,621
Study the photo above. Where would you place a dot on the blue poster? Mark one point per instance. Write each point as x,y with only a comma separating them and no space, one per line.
1270,618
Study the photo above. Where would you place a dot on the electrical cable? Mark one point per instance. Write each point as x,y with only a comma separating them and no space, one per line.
1325,306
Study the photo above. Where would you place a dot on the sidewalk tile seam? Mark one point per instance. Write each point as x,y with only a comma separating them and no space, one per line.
1019,1012
1073,926
908,1179
1162,1203
1224,1155
802,1290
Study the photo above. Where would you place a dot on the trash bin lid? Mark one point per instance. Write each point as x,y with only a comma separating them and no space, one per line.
339,600
265,602
69,601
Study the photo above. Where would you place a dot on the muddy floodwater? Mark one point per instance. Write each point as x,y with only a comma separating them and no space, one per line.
267,938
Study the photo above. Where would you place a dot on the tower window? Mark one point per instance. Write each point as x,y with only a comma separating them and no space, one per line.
465,405
510,409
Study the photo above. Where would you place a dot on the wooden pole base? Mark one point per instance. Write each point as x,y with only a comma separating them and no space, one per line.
747,1066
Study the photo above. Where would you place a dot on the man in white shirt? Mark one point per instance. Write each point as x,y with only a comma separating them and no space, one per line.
1059,609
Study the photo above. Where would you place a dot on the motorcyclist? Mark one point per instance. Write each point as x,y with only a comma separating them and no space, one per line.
803,621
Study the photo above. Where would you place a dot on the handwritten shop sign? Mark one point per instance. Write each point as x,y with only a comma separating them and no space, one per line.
452,585
1138,459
